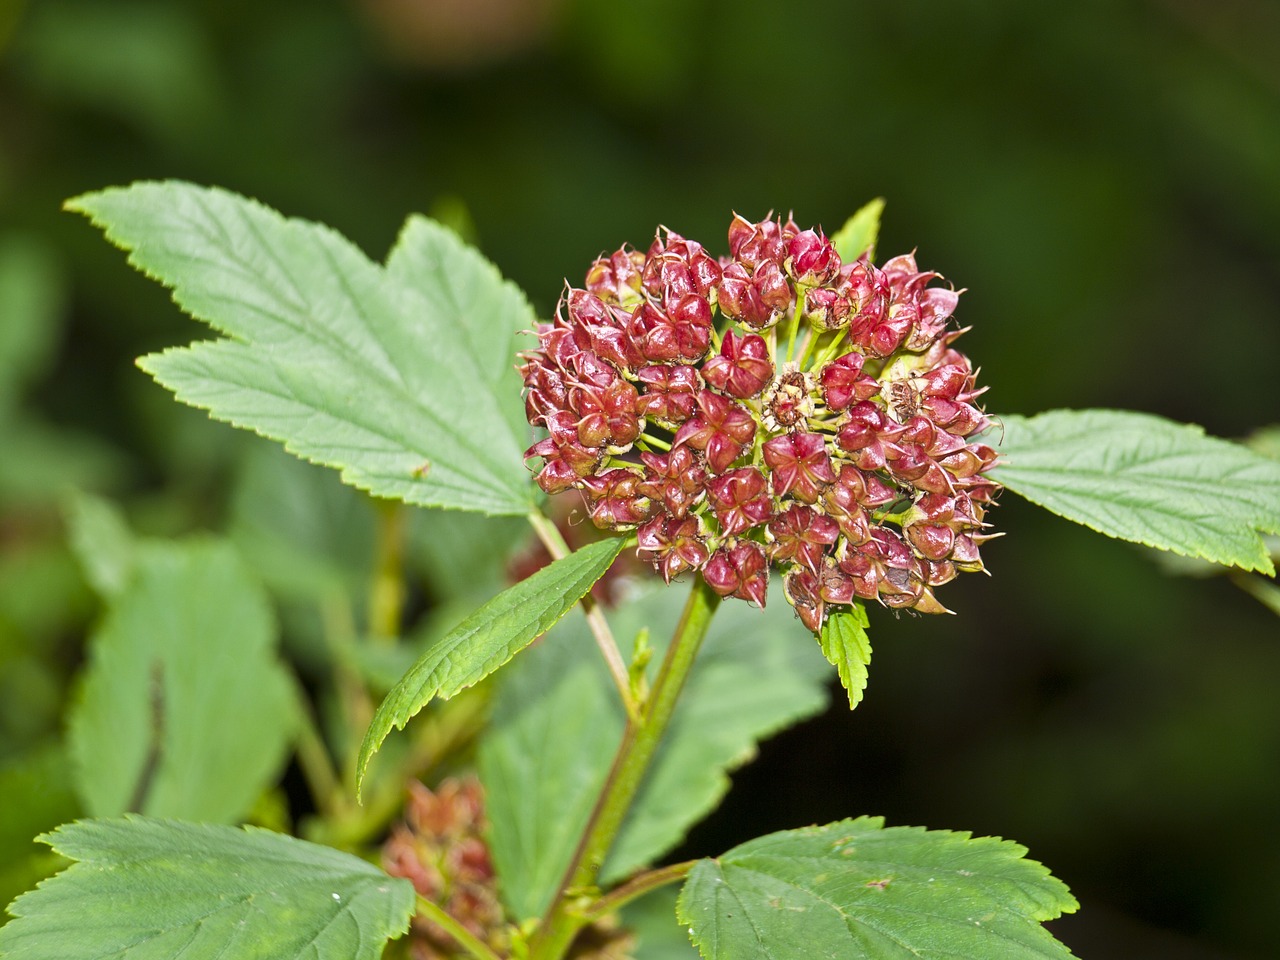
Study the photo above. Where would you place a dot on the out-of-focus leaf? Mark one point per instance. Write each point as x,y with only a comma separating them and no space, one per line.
858,890
40,461
659,935
309,536
185,710
859,233
489,638
37,792
845,643
147,64
31,302
557,723
102,542
1142,478
151,889
325,351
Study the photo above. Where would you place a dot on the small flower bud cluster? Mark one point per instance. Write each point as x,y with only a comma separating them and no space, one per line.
440,848
776,406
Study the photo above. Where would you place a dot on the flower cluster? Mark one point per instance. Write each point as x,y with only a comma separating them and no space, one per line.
776,406
441,850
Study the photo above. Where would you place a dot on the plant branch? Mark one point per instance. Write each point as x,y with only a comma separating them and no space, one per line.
636,887
639,744
551,539
468,940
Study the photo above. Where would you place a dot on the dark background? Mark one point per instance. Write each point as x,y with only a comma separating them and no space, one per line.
1103,177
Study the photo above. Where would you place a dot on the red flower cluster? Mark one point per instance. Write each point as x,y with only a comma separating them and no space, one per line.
772,406
441,849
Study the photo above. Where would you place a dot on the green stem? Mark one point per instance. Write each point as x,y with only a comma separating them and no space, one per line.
313,757
655,442
636,887
831,349
551,539
639,744
468,940
795,321
386,593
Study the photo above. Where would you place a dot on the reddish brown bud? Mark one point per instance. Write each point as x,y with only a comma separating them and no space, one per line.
742,368
799,465
844,383
672,545
676,479
721,428
739,571
802,535
670,392
615,499
812,259
740,499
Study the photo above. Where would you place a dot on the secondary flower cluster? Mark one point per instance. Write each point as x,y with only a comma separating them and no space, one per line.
776,406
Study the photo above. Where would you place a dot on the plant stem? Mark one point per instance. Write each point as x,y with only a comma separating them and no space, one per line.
468,940
313,757
551,539
639,744
636,887
386,592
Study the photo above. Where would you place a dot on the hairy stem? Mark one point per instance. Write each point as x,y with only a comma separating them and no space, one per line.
639,744
551,539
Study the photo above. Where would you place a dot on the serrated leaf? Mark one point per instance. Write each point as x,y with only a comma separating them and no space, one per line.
489,638
161,888
101,541
859,233
861,891
1146,479
468,294
326,351
185,710
845,643
557,724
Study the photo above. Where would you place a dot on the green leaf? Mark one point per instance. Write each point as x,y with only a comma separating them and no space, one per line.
1142,478
31,303
489,638
859,233
327,352
38,795
101,541
308,536
845,643
469,295
185,710
153,889
856,889
659,935
557,724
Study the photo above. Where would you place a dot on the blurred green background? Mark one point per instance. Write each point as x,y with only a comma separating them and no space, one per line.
1103,176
